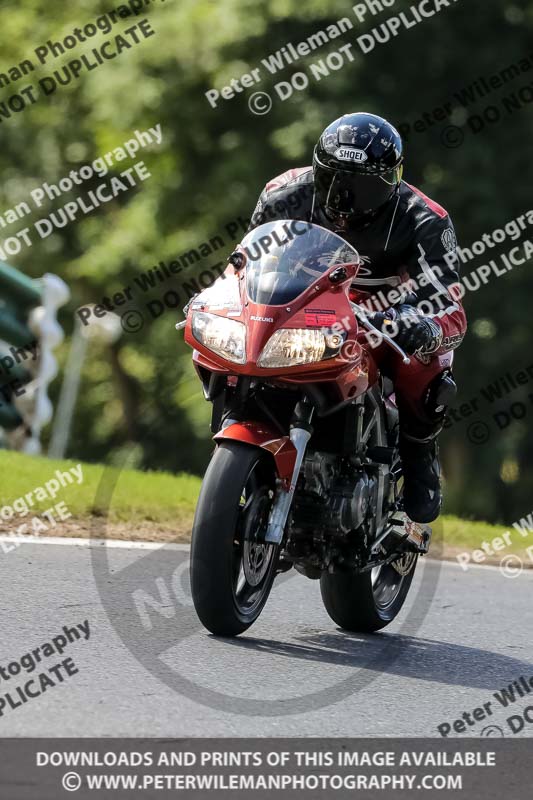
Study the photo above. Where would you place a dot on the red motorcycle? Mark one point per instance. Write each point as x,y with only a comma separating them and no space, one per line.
306,471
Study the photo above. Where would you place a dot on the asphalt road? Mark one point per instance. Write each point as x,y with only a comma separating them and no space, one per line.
148,669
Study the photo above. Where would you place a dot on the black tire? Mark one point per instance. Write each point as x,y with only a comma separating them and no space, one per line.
232,511
358,604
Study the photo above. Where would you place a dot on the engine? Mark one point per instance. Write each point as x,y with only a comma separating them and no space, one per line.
333,497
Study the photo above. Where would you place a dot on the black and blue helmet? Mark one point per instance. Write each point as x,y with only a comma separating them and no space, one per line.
357,164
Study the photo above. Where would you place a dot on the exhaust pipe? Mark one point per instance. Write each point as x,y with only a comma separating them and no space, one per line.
416,533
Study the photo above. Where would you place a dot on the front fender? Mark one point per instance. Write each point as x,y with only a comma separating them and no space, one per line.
260,434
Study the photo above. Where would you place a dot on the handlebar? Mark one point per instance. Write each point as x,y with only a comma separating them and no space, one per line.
360,316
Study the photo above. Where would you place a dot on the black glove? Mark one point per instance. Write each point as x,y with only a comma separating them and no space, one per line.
413,332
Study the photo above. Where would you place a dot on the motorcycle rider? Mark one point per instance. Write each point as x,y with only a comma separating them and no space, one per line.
409,274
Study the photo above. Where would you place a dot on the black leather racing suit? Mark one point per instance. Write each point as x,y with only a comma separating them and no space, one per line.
407,248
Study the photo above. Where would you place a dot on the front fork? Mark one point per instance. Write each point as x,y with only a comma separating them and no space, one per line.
300,433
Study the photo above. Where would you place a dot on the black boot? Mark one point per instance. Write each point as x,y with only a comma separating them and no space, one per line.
422,494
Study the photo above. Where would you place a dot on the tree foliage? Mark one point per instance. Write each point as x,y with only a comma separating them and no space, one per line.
213,163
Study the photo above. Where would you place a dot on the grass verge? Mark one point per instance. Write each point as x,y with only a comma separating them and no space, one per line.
144,505
157,506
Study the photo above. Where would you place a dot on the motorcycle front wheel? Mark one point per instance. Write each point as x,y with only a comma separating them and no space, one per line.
232,569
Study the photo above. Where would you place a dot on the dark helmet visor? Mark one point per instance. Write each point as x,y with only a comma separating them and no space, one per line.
347,192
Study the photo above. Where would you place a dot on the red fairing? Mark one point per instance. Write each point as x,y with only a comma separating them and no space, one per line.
261,435
322,304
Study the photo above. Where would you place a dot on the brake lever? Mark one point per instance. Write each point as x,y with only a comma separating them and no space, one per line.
386,338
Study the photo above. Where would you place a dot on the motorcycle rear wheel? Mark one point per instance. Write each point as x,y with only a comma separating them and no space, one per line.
232,571
368,601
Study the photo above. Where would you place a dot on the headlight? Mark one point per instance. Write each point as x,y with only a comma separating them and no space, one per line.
290,347
227,337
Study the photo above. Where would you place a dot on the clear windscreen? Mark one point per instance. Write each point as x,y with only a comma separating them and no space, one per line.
285,257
